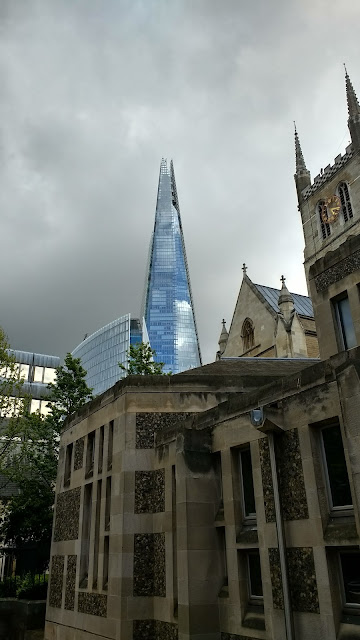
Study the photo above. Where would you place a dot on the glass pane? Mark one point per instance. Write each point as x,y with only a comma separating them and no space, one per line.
45,407
24,371
49,375
256,589
247,482
350,565
38,374
336,466
35,405
346,322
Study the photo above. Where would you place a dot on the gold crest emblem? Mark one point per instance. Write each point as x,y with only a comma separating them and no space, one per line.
330,209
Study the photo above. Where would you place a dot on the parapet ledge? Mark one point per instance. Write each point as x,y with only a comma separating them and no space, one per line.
328,172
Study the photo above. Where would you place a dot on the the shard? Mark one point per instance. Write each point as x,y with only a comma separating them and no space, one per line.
168,305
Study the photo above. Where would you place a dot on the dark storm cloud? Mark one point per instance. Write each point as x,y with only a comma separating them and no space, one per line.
94,93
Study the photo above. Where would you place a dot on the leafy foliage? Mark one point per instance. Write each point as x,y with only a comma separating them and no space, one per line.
30,444
141,361
70,391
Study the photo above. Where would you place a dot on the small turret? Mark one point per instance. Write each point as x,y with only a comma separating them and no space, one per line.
286,304
222,341
353,111
302,175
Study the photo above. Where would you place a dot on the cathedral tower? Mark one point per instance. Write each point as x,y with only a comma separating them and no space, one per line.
330,213
168,305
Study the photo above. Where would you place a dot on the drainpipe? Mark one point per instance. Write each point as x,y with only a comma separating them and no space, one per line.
268,427
289,623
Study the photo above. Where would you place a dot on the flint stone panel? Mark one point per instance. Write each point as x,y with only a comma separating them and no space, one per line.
150,491
56,581
79,454
149,564
302,579
290,474
154,630
94,604
67,515
70,583
337,272
148,424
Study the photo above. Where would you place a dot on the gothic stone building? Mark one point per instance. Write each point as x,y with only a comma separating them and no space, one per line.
224,503
269,323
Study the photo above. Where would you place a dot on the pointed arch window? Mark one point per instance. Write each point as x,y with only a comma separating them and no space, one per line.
324,226
344,196
247,334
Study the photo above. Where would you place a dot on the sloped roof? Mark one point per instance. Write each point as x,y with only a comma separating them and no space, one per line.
303,304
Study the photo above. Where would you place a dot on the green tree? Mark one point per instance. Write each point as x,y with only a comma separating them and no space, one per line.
32,462
141,361
12,403
69,393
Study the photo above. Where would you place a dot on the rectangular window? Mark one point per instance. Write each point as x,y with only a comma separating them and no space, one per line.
108,503
254,577
49,375
68,463
335,468
38,374
110,444
345,326
106,563
223,555
101,449
247,485
350,574
85,537
90,454
24,371
96,538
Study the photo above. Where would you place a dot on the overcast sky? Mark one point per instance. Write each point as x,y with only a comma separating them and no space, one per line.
95,92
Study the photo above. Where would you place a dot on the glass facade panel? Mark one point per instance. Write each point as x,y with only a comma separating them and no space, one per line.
168,305
49,375
101,352
38,374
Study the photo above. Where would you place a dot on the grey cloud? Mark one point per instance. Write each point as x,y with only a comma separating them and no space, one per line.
94,94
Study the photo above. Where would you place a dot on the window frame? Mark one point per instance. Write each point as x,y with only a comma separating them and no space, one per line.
248,334
252,598
339,324
347,210
339,510
349,608
249,519
325,227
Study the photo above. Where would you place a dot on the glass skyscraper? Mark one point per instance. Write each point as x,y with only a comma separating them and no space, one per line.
168,305
101,352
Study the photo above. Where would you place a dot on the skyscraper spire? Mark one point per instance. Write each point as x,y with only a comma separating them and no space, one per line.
353,111
302,175
168,305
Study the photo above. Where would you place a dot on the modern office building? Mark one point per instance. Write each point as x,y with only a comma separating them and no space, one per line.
101,352
168,304
37,370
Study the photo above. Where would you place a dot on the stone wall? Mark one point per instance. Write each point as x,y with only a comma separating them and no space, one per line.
302,579
149,564
291,477
67,512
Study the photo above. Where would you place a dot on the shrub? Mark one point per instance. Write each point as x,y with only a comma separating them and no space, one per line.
32,587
